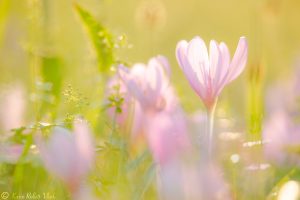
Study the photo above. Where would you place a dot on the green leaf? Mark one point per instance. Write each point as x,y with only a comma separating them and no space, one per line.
100,37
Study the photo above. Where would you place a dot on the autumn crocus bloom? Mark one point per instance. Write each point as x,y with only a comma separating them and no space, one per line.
209,73
123,110
160,117
148,83
68,156
149,86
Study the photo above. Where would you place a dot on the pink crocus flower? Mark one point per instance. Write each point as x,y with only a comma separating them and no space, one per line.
131,113
68,156
281,138
209,73
161,117
148,83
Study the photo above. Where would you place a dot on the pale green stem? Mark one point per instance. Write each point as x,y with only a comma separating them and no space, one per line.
209,130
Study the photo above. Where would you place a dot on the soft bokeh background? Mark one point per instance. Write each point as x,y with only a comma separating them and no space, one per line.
36,34
152,27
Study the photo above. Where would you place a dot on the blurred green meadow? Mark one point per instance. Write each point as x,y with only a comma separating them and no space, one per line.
61,53
34,29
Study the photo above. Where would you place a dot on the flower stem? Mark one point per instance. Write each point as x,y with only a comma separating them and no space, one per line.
209,131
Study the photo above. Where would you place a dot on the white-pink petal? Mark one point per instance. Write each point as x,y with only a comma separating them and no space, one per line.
209,74
190,73
239,60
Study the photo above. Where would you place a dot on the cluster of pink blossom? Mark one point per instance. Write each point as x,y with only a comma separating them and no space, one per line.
157,113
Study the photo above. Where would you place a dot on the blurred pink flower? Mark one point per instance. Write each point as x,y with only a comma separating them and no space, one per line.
130,109
282,139
12,105
160,116
167,136
10,153
68,156
148,83
208,74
